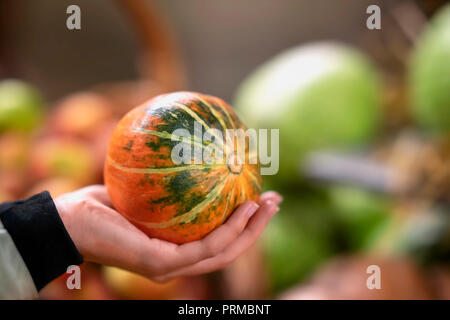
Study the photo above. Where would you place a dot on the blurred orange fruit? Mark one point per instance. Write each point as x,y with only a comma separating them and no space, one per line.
129,285
80,114
62,157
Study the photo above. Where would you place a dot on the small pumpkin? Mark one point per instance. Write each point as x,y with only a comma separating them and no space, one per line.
168,200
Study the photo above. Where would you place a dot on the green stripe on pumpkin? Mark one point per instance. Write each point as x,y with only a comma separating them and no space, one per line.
163,169
190,215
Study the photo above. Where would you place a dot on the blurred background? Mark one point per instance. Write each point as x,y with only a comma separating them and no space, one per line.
364,119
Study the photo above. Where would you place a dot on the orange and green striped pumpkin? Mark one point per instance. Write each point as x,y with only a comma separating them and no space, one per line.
169,201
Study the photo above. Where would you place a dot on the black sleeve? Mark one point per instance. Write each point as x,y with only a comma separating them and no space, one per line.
40,237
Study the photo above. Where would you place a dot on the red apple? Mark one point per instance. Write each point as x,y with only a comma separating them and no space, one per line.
14,151
129,285
13,182
56,186
81,114
62,157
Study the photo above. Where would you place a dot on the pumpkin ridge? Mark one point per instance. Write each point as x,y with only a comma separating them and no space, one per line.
228,198
195,116
215,113
192,113
224,107
166,135
162,169
242,198
253,178
191,214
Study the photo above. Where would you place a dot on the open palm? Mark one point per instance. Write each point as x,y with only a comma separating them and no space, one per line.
104,236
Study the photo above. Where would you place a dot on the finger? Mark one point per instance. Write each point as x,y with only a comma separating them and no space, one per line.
247,238
216,241
273,196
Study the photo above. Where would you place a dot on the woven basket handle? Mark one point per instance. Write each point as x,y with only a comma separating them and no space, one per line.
159,59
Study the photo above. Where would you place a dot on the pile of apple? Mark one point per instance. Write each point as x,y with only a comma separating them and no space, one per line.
60,148
58,151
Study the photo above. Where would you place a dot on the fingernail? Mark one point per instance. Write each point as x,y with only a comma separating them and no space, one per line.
252,209
274,205
279,197
268,202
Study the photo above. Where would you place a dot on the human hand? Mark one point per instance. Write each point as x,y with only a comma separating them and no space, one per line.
104,236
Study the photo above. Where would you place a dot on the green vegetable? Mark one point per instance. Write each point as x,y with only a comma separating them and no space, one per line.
429,77
360,214
21,106
297,240
320,96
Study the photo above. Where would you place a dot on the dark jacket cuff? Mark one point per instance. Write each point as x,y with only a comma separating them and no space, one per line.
40,237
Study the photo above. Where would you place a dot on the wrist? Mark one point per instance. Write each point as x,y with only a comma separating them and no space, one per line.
40,237
65,213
